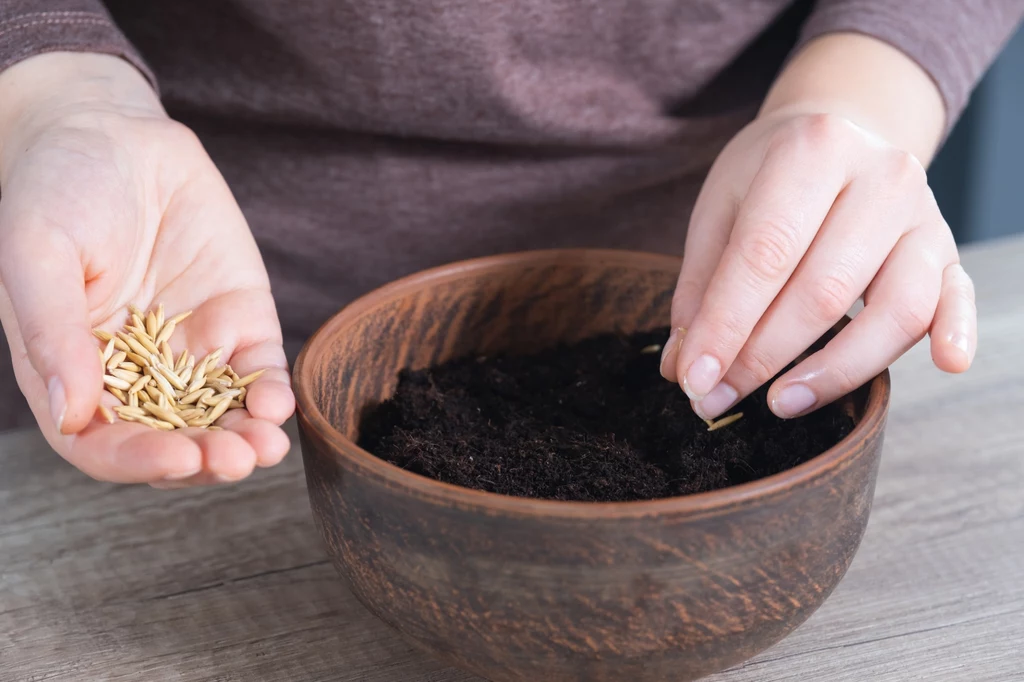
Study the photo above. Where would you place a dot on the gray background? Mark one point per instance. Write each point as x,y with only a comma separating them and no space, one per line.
978,177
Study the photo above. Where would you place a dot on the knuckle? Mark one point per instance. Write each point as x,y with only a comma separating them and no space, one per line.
757,365
688,289
686,301
967,290
48,342
823,128
844,378
727,330
905,170
831,297
963,284
35,336
769,253
912,319
814,131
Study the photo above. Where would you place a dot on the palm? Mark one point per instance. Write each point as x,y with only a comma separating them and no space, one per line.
169,234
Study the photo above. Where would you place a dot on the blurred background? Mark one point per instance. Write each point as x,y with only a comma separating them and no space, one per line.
978,177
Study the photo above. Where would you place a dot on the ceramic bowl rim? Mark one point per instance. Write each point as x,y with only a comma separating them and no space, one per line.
343,449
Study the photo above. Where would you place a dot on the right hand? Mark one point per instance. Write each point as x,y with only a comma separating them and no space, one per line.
108,202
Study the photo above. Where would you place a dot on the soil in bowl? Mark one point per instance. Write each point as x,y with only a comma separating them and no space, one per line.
592,421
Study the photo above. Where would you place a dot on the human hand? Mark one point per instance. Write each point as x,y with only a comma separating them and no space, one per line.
107,202
800,215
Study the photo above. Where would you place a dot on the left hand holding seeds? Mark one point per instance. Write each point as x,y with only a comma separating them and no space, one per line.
108,203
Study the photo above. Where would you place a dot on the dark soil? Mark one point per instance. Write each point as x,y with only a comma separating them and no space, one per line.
594,421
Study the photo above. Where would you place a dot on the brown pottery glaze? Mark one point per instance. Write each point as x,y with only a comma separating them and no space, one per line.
515,589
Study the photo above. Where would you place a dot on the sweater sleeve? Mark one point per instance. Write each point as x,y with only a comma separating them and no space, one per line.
31,27
954,41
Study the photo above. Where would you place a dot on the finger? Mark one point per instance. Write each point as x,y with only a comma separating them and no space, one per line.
227,456
132,453
864,224
41,270
706,238
786,204
244,323
225,459
268,440
954,333
270,397
899,307
229,321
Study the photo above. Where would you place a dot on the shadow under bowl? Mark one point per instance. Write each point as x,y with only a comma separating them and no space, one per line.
517,589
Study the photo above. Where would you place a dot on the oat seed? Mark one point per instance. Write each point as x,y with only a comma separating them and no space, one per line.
158,389
107,415
725,421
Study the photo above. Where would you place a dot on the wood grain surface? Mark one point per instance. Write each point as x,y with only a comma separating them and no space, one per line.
106,582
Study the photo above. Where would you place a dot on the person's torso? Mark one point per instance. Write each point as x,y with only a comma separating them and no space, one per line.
366,139
560,72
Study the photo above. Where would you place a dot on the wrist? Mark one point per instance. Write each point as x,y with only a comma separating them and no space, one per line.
868,82
42,88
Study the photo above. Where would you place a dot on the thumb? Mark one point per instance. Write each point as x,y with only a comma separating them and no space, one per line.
41,269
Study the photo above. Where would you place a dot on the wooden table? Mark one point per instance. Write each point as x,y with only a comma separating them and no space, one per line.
106,582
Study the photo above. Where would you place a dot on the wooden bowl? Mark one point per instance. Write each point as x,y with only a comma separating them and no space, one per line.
547,591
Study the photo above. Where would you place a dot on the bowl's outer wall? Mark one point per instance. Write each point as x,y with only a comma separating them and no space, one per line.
524,596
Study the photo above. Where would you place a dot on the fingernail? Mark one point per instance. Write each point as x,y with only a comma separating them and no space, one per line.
793,400
701,377
58,403
721,398
668,349
959,340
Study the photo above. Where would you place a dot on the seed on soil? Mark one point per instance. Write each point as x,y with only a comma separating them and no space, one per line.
159,389
588,421
714,425
653,348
